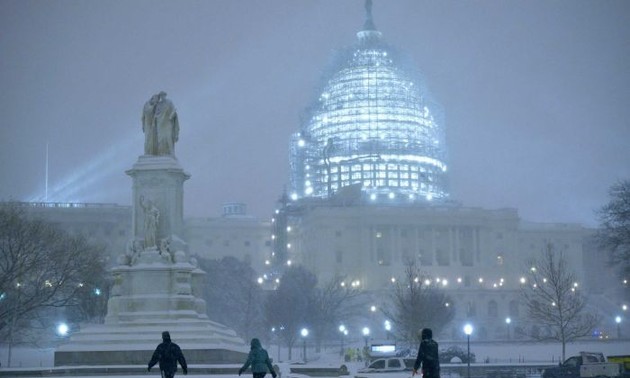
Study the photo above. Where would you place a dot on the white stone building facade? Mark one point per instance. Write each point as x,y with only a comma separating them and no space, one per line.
479,256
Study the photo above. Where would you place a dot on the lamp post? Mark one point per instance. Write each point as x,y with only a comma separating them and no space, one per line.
468,330
388,328
507,322
304,333
366,337
618,321
373,316
13,322
277,337
343,331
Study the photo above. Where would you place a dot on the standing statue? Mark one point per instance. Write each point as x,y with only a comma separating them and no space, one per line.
148,126
151,219
167,125
160,125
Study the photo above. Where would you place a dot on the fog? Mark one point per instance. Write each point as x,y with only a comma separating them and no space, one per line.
536,95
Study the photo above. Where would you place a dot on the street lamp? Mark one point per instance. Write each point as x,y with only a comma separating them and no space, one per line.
304,333
468,330
62,329
366,337
343,331
388,328
508,321
618,321
373,316
277,337
13,321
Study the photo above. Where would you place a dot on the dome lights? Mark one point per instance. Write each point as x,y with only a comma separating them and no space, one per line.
373,125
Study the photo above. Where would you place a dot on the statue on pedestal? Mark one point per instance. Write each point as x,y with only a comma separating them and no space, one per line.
154,283
151,219
165,250
148,126
160,125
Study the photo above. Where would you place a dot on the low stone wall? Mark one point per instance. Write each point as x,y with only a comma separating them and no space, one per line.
495,370
141,357
320,371
110,371
482,371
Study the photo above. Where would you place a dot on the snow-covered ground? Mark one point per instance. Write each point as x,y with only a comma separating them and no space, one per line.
494,352
541,352
26,357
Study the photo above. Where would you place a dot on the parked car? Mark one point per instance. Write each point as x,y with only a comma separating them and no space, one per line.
624,361
586,365
391,364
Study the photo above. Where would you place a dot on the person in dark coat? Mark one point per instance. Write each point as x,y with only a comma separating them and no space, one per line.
258,358
168,354
427,356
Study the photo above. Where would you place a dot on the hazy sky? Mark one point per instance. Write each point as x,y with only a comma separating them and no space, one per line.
536,94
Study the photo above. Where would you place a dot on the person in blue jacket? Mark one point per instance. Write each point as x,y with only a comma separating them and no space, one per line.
259,360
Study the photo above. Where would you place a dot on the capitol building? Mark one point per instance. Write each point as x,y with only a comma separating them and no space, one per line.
368,192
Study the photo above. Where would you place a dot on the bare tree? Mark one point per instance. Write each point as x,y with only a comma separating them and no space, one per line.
90,304
332,303
416,305
232,295
614,234
41,267
553,301
288,306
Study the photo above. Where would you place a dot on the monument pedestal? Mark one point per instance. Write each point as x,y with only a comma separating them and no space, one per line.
156,287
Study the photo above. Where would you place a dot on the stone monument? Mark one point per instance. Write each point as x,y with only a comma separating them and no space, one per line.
156,283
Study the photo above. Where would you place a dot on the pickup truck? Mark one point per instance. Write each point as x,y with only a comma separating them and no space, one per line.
391,364
625,364
586,365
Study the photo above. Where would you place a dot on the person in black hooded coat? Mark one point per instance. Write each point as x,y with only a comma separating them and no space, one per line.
427,356
258,358
168,354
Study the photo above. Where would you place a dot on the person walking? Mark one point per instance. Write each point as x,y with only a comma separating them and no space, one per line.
258,358
427,356
168,354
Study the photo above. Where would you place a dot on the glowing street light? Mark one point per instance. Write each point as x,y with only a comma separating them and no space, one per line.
468,330
366,337
277,336
62,329
344,332
507,322
618,321
304,333
388,328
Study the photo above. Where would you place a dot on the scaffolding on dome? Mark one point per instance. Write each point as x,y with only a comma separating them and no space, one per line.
374,124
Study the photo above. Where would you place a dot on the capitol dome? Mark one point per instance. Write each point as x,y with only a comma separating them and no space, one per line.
373,126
